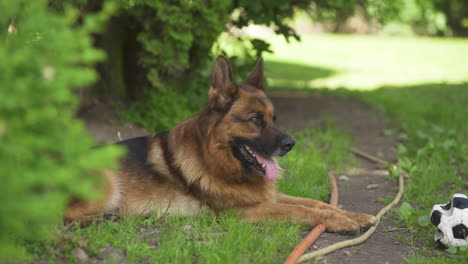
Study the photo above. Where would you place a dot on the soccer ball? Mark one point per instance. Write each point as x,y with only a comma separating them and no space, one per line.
451,220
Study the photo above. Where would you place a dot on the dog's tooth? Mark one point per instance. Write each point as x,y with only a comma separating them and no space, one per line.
248,148
263,165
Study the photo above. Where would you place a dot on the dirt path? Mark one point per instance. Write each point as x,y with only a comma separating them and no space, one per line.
303,111
361,121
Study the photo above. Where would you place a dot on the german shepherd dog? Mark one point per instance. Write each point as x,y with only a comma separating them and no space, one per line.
221,159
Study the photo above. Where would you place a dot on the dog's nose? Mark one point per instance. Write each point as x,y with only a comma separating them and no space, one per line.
287,144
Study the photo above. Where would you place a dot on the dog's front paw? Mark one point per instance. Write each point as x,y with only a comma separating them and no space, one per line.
365,221
342,225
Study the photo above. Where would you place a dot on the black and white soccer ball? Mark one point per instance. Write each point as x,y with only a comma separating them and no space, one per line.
451,220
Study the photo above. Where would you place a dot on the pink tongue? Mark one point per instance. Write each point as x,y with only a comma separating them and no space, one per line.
270,167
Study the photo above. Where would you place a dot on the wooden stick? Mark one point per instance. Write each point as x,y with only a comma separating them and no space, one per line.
368,156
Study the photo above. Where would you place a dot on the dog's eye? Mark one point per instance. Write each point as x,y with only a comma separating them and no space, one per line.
257,120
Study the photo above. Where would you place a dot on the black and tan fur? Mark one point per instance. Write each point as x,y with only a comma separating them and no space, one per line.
199,163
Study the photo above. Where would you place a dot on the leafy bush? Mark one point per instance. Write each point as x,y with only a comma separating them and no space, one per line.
165,48
45,156
159,111
425,17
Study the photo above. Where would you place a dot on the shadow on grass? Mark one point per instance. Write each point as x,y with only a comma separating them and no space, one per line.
434,92
433,104
291,74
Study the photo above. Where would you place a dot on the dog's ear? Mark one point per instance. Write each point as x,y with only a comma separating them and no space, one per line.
223,86
255,78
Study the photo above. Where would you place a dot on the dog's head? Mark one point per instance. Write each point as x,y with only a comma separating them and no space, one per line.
247,126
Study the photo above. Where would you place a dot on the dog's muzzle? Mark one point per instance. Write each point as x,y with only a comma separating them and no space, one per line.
287,143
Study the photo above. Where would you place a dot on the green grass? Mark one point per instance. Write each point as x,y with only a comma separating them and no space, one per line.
306,168
365,62
207,238
423,87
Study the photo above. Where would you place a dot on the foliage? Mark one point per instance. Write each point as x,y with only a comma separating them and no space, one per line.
430,17
176,35
455,12
176,40
424,17
159,111
166,47
45,156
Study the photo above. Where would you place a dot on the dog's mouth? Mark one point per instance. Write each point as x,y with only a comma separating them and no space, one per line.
252,159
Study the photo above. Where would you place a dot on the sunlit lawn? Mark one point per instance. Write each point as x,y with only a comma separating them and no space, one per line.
364,62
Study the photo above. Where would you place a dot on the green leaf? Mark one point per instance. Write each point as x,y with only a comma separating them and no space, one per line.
451,250
405,163
401,150
423,220
405,211
448,144
395,171
388,132
422,135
